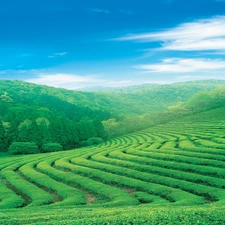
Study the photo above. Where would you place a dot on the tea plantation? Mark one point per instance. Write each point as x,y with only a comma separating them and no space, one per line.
168,174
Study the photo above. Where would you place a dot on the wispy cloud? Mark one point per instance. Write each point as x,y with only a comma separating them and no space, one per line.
100,11
73,82
178,65
58,54
61,53
200,35
69,81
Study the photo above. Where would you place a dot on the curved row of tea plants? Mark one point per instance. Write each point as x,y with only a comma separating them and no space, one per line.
175,164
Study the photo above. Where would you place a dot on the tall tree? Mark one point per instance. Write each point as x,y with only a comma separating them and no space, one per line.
86,129
99,128
44,133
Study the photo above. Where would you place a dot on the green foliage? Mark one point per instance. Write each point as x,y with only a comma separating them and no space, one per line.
42,114
64,195
9,199
204,101
5,98
99,128
51,147
33,194
200,102
17,148
91,141
115,216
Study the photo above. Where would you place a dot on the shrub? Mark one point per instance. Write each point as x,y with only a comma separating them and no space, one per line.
17,148
91,141
51,147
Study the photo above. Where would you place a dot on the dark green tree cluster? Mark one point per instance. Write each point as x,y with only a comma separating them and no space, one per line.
46,130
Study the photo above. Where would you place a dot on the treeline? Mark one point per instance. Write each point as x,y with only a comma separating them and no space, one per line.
199,102
44,135
54,126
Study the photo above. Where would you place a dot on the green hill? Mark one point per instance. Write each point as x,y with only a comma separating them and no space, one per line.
134,100
50,119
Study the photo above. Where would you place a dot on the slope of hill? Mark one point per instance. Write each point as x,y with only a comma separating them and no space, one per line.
139,178
57,118
130,101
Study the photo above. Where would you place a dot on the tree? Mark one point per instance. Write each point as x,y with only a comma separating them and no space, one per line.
18,148
52,147
29,132
86,129
12,133
58,131
111,127
44,134
99,128
200,102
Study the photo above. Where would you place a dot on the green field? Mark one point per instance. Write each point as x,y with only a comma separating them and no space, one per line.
168,174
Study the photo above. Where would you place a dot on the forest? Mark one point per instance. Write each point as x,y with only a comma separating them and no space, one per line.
36,119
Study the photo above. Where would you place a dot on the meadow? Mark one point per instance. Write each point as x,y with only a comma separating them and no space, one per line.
173,173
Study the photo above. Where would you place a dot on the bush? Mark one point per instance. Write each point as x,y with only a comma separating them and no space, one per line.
51,147
91,141
18,148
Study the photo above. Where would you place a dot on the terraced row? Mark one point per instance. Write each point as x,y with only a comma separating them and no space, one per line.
178,163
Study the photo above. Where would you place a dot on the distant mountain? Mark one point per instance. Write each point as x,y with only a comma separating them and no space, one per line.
128,101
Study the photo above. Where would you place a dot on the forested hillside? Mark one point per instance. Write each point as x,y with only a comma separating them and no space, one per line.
199,102
42,119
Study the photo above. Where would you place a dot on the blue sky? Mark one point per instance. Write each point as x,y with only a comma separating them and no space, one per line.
78,44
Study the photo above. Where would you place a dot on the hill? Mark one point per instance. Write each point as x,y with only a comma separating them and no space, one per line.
130,101
172,173
55,119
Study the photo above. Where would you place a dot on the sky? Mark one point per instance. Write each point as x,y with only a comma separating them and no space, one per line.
80,44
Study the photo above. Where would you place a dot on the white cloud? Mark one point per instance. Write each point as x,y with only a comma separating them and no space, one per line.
71,81
68,81
58,54
61,53
178,65
205,34
184,77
